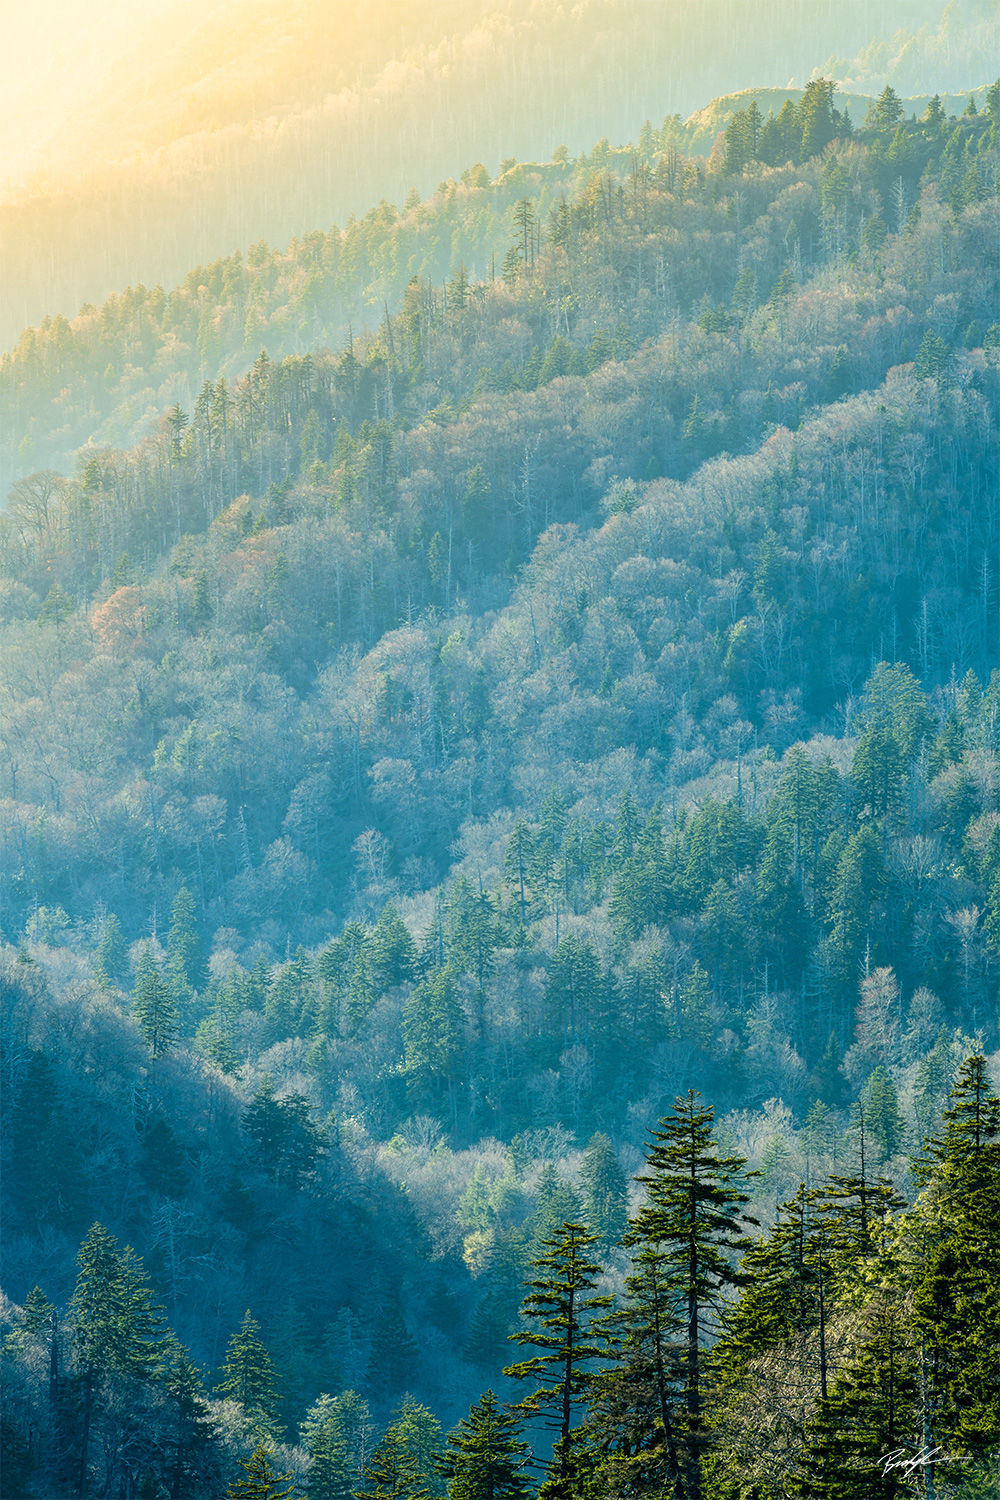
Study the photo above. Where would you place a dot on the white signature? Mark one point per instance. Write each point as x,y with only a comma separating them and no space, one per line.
910,1462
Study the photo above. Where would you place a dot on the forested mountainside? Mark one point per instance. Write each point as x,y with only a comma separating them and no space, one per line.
109,374
424,761
171,136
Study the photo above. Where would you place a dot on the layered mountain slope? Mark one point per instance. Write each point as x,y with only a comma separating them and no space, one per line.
171,136
423,758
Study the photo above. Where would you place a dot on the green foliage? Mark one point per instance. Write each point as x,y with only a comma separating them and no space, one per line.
485,1455
248,1377
335,1433
261,1482
655,814
155,1005
866,1430
116,1326
606,1202
559,1310
287,1143
692,1220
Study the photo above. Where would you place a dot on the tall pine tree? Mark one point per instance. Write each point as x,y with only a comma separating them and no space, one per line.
559,1310
694,1218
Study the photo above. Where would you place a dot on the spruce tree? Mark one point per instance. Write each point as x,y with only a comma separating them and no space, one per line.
852,1204
606,1201
773,1356
336,1434
557,1203
559,1309
188,1447
633,1416
392,1472
862,1435
111,953
421,1443
884,1121
261,1482
154,1003
957,1295
185,964
693,1216
287,1143
248,1377
485,1456
786,1291
433,1030
33,1323
331,1476
116,1329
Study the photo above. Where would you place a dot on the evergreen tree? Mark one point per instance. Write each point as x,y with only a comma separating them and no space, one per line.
248,1377
786,1285
421,1442
633,1418
154,1003
559,1309
816,117
861,1436
557,1203
572,991
184,965
330,1475
693,1216
517,860
111,953
287,1143
32,1323
606,1201
392,951
261,1482
392,1472
828,1077
957,1296
485,1455
884,1121
859,879
885,112
189,1456
116,1329
433,1030
773,1355
854,1203
330,1437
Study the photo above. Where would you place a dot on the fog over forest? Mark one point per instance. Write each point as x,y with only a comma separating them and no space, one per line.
500,753
141,140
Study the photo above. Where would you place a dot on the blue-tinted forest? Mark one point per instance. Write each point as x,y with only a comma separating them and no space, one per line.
500,839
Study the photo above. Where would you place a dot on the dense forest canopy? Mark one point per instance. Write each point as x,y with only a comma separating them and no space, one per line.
500,838
140,140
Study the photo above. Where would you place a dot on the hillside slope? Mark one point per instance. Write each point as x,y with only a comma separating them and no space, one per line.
423,761
172,136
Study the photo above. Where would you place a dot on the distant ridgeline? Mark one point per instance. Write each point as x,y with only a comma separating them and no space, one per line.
426,758
702,128
109,374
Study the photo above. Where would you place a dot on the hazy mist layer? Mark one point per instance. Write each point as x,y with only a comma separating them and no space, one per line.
140,141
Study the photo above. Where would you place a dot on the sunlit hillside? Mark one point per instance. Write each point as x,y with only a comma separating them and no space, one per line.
499,753
139,139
